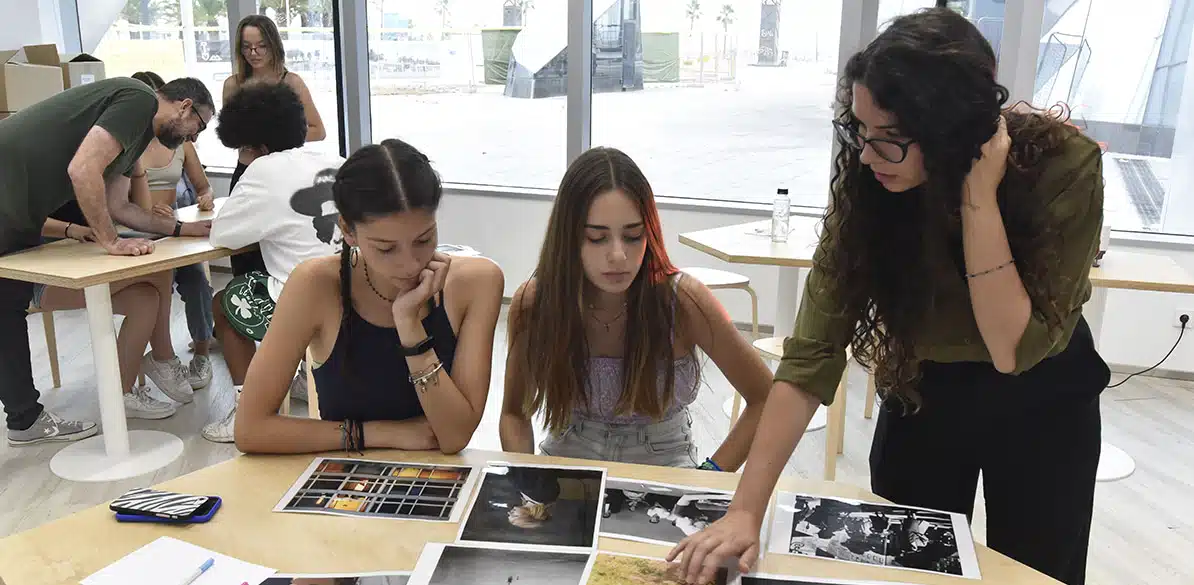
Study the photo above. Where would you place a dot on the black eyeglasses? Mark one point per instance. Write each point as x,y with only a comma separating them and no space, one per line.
202,124
892,151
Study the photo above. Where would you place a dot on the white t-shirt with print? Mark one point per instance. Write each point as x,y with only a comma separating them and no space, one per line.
283,202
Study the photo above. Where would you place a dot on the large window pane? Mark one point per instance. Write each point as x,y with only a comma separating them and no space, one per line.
150,36
1122,71
726,100
478,85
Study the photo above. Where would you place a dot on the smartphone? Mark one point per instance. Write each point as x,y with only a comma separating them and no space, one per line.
202,514
154,503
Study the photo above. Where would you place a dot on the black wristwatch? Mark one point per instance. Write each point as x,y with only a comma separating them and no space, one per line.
419,348
177,228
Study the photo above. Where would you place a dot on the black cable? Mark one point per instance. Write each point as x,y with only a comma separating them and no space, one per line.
1184,319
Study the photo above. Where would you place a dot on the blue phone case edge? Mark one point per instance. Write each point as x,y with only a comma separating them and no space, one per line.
158,520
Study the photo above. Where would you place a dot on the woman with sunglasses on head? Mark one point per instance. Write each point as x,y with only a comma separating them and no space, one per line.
261,57
954,261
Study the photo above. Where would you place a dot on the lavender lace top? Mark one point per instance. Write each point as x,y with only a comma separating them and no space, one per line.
605,387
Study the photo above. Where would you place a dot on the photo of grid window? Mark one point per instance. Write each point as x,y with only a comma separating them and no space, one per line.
379,489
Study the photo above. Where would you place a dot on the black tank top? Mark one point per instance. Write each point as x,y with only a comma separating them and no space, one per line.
374,382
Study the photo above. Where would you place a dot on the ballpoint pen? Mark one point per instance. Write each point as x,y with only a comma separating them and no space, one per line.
199,572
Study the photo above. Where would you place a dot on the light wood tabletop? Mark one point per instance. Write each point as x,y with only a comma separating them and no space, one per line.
67,550
71,264
750,243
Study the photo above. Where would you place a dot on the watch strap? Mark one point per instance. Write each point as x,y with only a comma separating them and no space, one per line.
177,228
419,348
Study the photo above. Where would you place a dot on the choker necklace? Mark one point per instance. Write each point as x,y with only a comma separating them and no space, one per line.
611,322
375,291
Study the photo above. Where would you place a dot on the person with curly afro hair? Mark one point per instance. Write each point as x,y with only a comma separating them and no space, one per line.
278,205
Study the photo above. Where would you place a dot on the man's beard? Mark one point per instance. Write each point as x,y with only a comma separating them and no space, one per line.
170,138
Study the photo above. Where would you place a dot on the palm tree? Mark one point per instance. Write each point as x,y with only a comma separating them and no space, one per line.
524,7
208,12
726,18
442,8
693,13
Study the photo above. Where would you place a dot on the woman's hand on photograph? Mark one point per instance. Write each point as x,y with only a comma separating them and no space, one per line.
163,210
206,202
735,535
431,281
987,172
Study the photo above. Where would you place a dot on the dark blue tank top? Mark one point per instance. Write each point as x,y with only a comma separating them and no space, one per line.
374,383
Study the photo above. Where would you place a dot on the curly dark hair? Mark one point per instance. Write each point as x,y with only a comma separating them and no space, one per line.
885,256
263,114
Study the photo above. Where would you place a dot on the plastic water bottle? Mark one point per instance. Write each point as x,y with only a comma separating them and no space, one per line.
780,210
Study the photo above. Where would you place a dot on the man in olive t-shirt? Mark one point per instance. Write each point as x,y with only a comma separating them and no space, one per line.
82,144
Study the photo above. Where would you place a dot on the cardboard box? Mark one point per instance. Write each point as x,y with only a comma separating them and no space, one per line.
81,69
28,75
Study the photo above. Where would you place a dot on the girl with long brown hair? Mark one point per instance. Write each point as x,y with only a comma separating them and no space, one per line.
955,259
260,57
604,337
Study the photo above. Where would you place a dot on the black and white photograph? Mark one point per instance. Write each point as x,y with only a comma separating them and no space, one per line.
551,506
764,579
390,578
659,513
474,564
873,534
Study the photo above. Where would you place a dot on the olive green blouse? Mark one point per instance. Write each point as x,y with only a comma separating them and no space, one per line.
1072,183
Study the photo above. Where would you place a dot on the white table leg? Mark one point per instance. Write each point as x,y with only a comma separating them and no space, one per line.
787,303
116,454
787,299
1114,463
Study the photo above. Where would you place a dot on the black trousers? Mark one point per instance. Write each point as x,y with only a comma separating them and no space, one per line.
248,261
17,392
1035,438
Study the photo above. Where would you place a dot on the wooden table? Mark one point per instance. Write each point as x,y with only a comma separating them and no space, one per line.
67,550
750,243
117,453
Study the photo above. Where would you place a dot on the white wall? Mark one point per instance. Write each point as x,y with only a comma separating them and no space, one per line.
29,22
1137,328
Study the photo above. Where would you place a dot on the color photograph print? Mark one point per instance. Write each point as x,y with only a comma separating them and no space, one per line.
659,513
390,578
764,579
381,489
886,535
552,506
474,564
620,569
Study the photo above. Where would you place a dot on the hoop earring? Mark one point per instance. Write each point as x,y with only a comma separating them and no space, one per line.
353,256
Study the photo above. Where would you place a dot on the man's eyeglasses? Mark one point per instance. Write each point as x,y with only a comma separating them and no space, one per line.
202,124
893,151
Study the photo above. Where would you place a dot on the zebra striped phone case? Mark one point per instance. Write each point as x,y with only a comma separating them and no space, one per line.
147,502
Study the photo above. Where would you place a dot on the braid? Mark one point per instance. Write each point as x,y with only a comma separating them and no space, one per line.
346,303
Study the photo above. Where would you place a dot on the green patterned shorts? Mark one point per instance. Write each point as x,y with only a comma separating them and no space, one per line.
247,304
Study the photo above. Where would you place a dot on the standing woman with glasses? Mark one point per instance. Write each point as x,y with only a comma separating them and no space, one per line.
954,260
260,56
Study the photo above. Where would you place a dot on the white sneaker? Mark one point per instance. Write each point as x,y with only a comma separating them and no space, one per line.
199,372
139,404
170,377
223,430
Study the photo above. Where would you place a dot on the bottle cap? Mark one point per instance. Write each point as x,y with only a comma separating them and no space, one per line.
781,191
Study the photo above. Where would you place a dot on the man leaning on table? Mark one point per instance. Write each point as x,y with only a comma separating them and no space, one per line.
82,144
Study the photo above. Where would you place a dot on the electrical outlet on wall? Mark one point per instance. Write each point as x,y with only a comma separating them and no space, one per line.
1177,318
